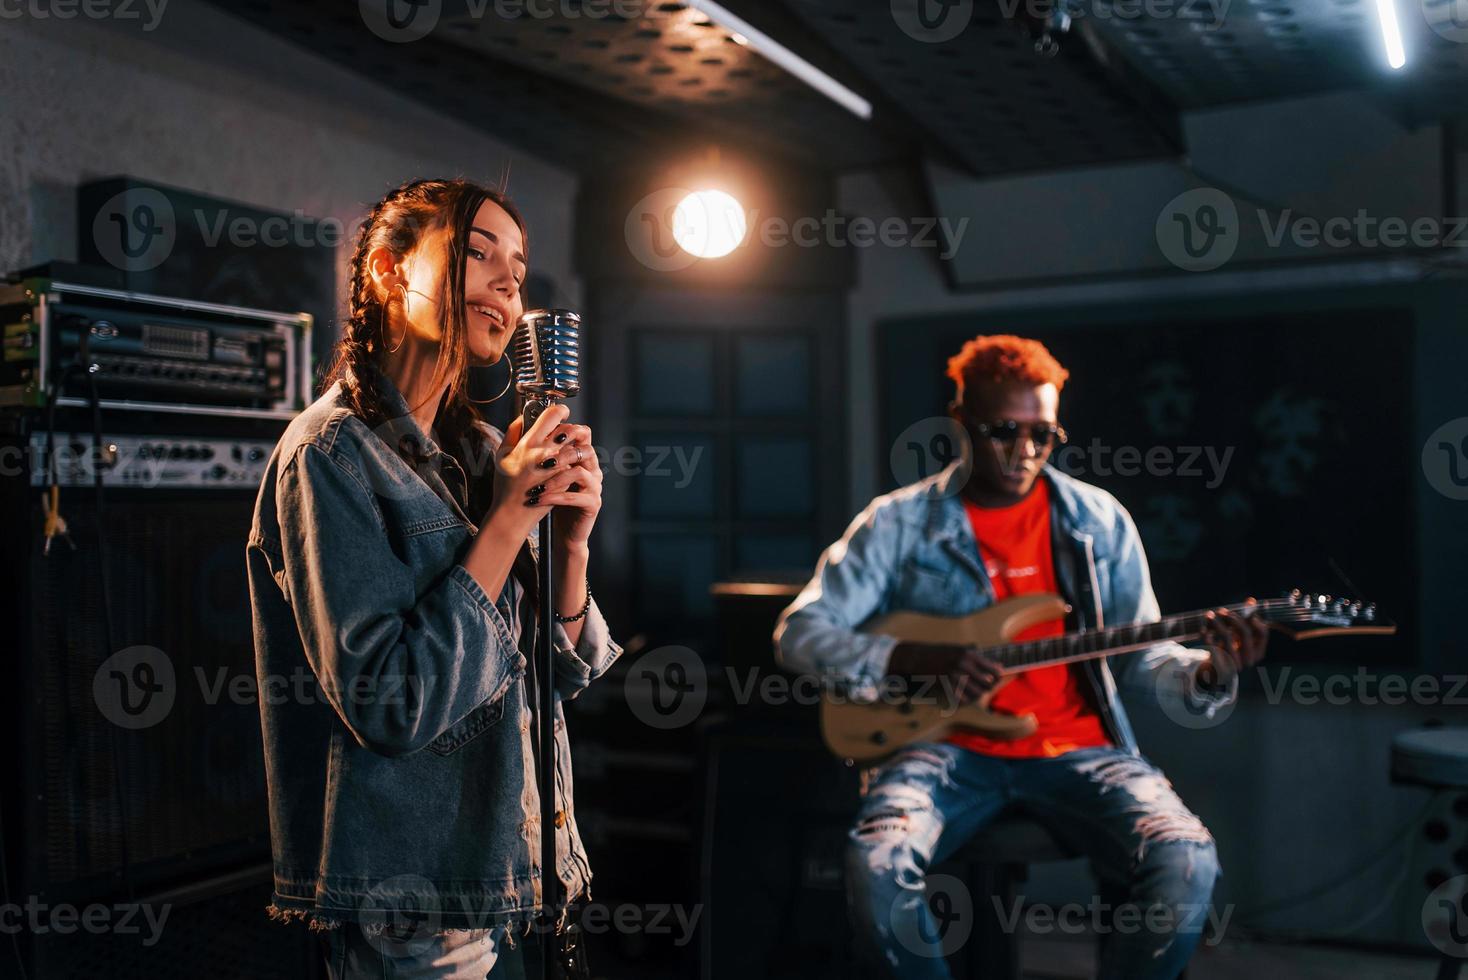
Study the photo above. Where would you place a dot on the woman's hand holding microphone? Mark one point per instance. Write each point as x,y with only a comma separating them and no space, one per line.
553,465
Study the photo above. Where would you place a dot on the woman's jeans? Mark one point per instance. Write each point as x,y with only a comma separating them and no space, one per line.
403,954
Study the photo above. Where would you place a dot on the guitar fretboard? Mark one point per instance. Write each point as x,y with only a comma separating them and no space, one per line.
1094,643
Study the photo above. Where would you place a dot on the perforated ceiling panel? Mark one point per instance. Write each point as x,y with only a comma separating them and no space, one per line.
518,106
588,88
673,59
988,96
1213,52
599,84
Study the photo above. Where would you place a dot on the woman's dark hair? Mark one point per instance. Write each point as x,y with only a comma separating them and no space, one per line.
400,222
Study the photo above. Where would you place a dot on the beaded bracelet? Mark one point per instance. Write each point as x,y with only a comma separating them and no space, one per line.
584,609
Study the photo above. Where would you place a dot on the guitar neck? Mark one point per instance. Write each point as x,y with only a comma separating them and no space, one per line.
1093,644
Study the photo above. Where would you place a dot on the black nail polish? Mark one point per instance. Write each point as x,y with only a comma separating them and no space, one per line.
548,464
574,487
561,437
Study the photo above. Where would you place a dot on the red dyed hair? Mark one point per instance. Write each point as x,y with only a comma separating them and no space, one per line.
1003,357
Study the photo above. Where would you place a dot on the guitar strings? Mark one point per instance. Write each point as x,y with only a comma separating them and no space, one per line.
1083,643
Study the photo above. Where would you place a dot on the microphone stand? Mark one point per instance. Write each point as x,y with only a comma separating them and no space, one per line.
547,370
545,647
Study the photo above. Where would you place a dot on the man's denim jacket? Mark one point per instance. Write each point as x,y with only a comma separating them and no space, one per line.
914,549
396,716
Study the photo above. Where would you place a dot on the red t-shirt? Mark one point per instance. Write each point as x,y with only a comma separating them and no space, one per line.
1014,543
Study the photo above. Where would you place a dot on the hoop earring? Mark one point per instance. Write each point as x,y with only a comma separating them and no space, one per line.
382,327
510,361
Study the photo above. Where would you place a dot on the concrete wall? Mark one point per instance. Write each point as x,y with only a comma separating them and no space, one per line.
212,104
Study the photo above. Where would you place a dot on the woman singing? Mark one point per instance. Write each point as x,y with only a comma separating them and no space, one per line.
390,557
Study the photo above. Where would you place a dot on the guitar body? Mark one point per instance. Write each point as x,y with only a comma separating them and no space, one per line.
868,732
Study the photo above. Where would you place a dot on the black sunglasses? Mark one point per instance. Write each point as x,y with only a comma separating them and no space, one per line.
1008,432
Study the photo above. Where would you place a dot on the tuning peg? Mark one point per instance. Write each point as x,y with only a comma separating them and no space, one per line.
1293,595
1369,613
1338,606
1322,600
1355,609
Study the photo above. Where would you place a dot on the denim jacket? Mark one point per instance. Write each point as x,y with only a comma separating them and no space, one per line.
394,704
914,549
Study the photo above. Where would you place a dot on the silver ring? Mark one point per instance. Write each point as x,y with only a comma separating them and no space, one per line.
578,455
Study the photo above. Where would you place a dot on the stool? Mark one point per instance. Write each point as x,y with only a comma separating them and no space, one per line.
1436,758
997,859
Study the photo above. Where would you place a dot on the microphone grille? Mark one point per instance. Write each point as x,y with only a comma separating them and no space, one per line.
547,353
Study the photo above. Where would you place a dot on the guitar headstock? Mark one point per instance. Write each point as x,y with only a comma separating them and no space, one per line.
1307,615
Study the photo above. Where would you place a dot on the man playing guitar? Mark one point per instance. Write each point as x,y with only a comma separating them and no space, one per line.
1000,523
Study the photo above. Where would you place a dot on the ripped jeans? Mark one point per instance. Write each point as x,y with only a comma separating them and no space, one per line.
1114,807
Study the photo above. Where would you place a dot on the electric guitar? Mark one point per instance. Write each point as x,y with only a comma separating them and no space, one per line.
867,732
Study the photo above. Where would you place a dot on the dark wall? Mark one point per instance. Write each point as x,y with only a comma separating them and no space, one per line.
1322,400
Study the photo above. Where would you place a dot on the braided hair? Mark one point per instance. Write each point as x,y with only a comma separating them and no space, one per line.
400,222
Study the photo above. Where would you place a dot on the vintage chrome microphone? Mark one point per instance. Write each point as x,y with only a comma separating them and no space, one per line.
547,369
547,359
